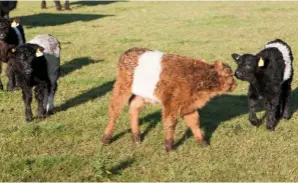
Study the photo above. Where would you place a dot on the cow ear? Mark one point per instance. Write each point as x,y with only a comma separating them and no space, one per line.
236,56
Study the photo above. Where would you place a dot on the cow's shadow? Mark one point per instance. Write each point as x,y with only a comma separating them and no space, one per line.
56,19
92,3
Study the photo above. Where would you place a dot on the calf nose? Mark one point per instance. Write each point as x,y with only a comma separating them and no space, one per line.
238,74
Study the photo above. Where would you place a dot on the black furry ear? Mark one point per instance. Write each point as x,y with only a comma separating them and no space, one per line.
261,62
236,56
37,47
10,53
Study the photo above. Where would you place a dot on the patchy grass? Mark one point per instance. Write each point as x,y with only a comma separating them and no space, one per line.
66,146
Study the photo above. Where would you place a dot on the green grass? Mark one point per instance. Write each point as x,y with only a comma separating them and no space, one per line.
66,146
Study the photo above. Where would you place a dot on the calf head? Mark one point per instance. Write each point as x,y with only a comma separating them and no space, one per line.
5,26
23,56
225,73
248,66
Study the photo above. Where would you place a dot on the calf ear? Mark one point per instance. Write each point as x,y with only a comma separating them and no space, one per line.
218,65
261,62
37,47
236,56
15,22
10,53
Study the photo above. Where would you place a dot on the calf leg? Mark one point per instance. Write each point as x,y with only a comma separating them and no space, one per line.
252,102
41,92
27,98
50,99
169,117
135,107
120,96
58,5
1,85
193,123
272,106
43,4
12,79
286,98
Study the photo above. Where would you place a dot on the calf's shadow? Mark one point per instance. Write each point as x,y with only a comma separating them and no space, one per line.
217,111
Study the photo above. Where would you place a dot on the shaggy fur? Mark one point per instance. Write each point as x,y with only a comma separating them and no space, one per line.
6,7
57,4
184,85
10,37
41,72
52,54
270,74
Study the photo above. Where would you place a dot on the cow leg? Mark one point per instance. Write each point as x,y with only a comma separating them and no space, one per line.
43,4
66,5
58,5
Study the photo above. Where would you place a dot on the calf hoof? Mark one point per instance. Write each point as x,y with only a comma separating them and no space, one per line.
50,112
68,9
106,140
286,115
255,122
137,138
271,128
169,145
28,119
204,143
41,117
11,89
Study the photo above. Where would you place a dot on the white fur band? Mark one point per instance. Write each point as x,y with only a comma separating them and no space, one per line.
146,74
20,38
286,56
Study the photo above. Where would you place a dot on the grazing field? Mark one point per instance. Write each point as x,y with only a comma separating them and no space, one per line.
67,147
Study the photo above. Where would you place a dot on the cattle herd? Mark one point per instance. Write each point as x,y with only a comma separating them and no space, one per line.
181,85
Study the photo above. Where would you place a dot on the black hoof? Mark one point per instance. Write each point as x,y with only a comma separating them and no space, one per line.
204,143
286,116
270,128
50,112
28,119
256,122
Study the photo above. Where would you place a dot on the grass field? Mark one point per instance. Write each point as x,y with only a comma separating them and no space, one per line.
66,146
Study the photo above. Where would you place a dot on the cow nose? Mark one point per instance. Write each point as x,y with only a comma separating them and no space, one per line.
238,74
